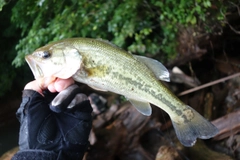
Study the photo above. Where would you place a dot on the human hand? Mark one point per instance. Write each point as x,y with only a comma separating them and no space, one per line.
50,83
59,129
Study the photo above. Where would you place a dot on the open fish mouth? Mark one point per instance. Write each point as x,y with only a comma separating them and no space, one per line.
36,69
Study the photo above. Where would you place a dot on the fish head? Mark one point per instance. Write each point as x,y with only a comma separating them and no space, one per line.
60,60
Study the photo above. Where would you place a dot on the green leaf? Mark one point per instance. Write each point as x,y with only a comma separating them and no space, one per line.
206,3
2,3
193,20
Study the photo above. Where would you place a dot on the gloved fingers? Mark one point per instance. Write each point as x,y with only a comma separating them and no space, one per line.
81,111
79,133
33,104
83,107
49,96
64,98
77,100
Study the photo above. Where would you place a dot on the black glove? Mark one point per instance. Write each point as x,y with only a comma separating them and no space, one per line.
58,130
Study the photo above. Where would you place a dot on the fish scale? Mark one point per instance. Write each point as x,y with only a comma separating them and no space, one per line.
120,75
104,66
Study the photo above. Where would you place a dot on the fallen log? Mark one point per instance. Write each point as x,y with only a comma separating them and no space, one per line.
228,125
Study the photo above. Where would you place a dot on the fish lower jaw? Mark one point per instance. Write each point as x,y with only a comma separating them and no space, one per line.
39,71
35,68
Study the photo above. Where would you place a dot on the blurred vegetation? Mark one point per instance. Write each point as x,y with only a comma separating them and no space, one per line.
140,26
8,41
2,3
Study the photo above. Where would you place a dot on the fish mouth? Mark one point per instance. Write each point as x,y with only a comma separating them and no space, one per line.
35,68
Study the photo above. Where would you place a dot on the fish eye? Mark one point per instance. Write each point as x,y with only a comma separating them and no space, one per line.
45,54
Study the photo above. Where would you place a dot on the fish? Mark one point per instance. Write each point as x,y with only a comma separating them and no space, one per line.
106,67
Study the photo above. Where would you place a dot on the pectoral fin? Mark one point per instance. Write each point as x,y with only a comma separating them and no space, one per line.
142,107
158,68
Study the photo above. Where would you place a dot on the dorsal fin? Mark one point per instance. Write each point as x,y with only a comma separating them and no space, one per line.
158,68
108,42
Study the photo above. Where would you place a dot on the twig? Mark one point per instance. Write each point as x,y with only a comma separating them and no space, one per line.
236,6
232,28
208,84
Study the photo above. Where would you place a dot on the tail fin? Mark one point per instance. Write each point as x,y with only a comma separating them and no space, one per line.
198,127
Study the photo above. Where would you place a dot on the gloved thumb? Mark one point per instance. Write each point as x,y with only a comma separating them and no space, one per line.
66,98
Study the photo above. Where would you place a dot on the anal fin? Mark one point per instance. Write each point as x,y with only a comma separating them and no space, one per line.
142,107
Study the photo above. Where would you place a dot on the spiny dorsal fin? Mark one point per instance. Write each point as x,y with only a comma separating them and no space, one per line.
158,68
108,42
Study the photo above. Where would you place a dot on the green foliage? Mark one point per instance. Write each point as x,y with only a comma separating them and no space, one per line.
183,13
142,27
2,3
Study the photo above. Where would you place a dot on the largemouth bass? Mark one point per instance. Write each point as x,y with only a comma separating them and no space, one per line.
106,67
